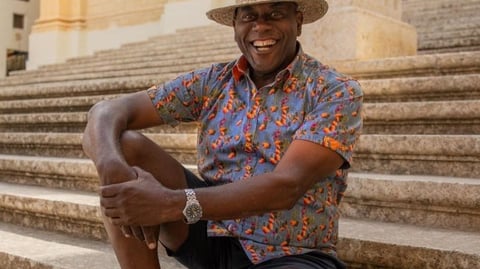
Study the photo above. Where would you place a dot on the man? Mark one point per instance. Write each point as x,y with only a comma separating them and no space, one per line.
275,140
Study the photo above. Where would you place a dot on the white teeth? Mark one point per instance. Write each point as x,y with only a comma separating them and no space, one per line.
264,43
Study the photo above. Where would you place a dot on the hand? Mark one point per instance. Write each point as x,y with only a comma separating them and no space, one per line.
147,234
142,202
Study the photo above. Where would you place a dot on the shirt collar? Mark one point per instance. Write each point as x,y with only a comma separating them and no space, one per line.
241,66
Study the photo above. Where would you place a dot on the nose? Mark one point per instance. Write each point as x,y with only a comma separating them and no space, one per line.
262,23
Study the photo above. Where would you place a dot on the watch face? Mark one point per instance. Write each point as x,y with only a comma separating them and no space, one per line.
193,212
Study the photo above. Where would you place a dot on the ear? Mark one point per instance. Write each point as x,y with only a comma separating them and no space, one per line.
299,23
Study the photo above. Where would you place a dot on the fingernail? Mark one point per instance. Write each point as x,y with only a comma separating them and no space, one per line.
152,245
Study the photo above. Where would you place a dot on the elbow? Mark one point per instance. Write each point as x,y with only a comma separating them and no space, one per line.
292,199
292,191
92,116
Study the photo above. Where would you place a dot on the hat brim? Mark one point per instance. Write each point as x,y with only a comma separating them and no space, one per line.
312,10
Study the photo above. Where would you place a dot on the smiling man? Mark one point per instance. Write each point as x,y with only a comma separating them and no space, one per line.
275,140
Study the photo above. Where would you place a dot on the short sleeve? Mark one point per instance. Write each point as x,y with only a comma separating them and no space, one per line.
179,100
334,119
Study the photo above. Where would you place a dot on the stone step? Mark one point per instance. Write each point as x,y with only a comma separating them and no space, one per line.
69,122
373,244
449,27
65,173
448,50
77,214
74,88
146,59
143,55
413,66
449,200
452,43
123,73
439,155
425,65
181,145
175,47
444,87
436,117
28,248
438,11
442,117
50,105
427,201
440,86
43,122
113,70
23,247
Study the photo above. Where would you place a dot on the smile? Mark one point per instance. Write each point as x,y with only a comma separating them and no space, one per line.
264,45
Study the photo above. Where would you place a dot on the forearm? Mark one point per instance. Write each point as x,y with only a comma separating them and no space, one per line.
260,194
107,121
101,143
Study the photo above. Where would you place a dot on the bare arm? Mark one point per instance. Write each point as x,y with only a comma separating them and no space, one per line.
107,121
302,165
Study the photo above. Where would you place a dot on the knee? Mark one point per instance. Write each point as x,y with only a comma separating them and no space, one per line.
131,142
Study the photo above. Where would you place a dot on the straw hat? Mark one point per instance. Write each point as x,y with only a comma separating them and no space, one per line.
312,9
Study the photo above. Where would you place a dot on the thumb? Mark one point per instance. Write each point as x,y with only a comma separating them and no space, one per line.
142,174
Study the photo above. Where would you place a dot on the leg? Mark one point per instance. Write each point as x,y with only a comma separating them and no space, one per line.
312,260
142,152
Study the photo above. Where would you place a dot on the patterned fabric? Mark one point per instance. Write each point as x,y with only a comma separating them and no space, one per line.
244,131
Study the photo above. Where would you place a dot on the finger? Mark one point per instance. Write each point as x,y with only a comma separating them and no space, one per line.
150,233
137,233
111,212
127,232
108,202
109,190
140,172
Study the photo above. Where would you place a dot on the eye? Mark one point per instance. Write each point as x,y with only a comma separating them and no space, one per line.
247,17
277,15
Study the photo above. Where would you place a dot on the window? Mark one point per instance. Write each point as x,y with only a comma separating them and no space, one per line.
18,21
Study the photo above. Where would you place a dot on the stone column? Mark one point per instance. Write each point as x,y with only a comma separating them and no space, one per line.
360,30
58,33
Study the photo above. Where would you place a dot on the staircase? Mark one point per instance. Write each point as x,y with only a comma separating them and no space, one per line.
413,199
444,25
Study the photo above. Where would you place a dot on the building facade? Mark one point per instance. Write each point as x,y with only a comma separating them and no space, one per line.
16,20
352,29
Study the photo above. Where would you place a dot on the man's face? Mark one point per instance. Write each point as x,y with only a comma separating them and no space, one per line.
266,34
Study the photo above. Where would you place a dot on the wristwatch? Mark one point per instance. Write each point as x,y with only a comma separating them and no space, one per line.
192,211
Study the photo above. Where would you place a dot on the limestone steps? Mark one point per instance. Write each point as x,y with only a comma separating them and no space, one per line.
424,65
23,247
74,88
374,244
414,66
134,62
52,105
428,88
436,155
427,201
81,92
442,117
427,65
448,117
444,26
77,214
439,155
416,89
64,122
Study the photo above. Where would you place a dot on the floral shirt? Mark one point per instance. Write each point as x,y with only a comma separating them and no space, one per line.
244,131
